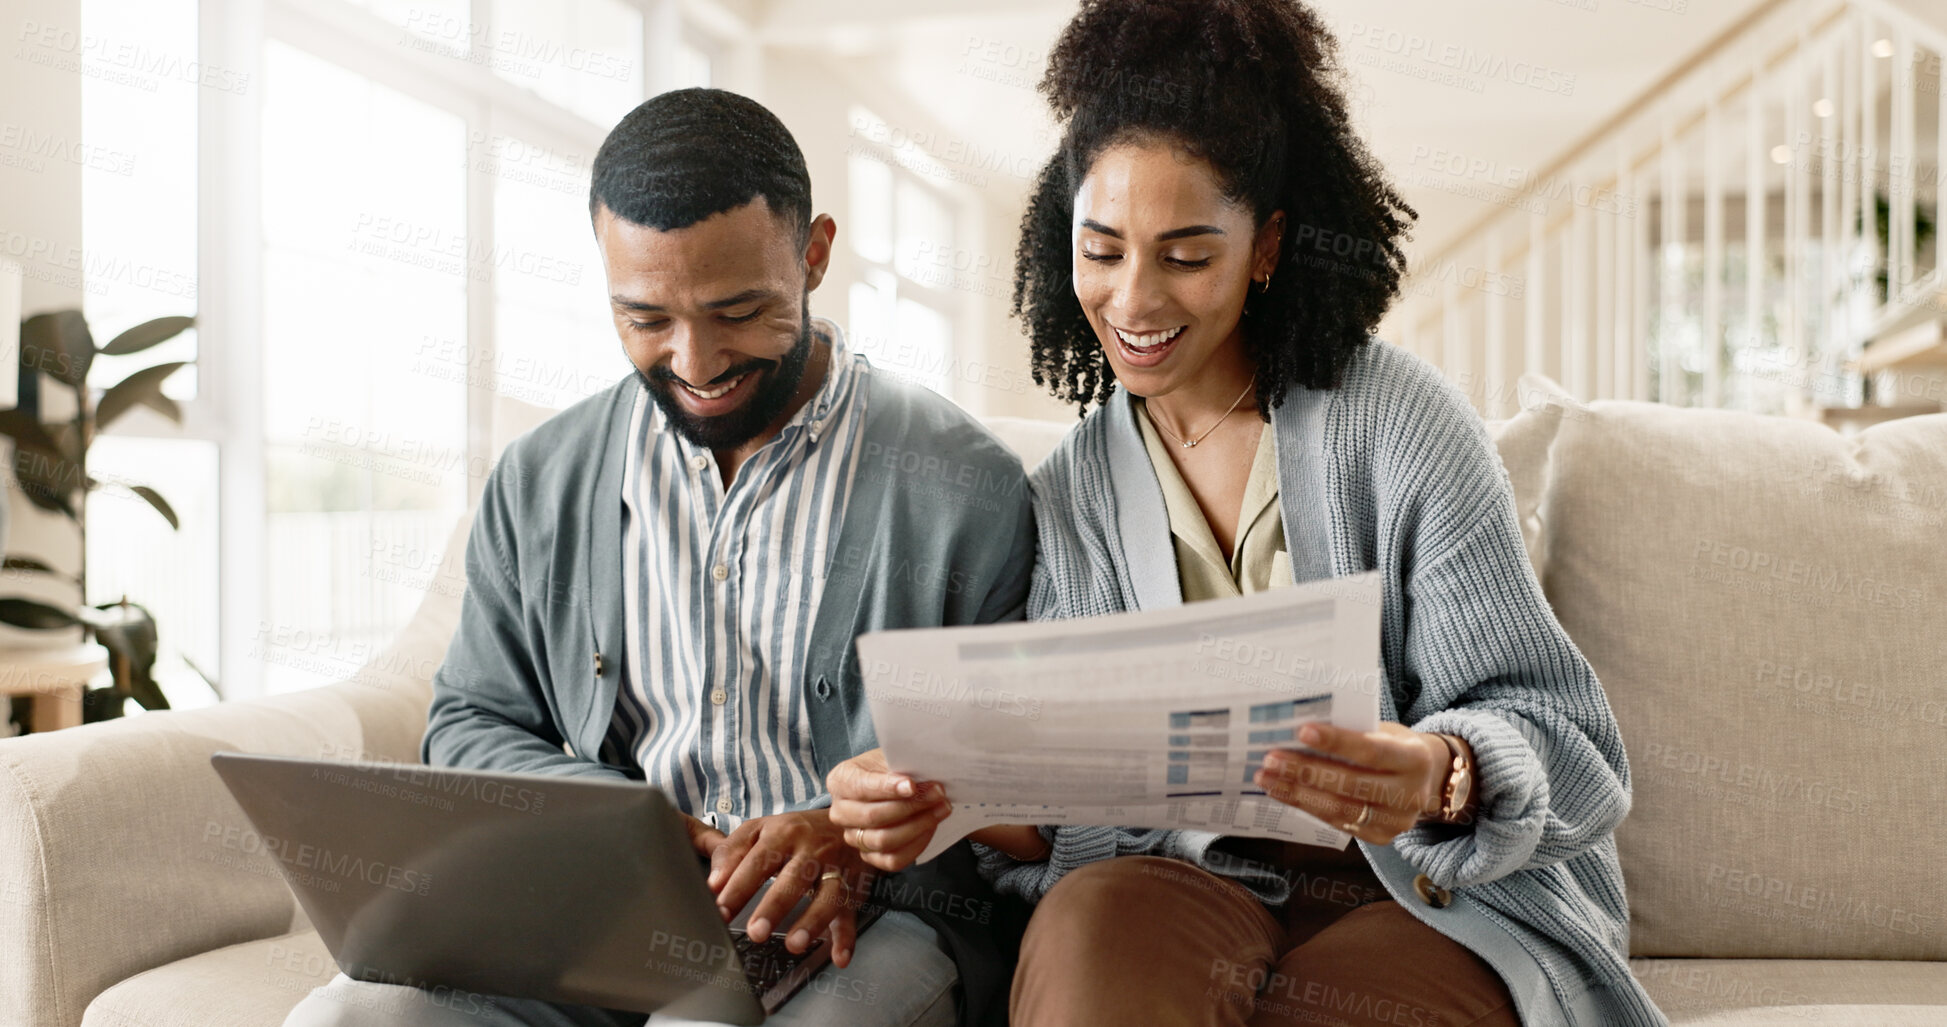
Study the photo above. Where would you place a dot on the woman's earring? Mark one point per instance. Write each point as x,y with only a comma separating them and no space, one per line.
1265,286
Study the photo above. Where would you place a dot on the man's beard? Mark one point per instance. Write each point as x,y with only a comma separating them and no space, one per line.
773,393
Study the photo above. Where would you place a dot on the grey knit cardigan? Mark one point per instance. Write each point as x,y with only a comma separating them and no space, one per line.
1394,472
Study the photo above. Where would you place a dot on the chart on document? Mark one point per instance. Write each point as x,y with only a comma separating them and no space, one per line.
1152,719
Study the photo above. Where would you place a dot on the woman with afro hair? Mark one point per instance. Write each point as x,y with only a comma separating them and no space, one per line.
1200,270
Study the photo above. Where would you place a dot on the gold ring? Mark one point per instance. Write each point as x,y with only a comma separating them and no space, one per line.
858,838
828,875
1365,817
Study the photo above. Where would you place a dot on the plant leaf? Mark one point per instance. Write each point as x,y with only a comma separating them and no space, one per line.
58,345
47,479
27,431
26,563
163,405
26,613
161,505
147,334
136,388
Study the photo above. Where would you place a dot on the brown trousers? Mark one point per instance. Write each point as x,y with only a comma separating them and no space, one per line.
1147,940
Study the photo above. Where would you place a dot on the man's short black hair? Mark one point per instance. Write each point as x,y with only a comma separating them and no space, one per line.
687,154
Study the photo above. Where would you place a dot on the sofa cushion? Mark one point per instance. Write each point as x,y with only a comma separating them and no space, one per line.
254,984
1769,992
1764,602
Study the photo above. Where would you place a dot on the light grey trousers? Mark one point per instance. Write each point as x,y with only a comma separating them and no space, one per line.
898,978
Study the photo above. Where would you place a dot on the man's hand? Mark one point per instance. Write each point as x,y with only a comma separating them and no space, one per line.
703,837
799,850
888,817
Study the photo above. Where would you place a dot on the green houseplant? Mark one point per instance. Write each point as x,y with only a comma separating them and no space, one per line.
51,470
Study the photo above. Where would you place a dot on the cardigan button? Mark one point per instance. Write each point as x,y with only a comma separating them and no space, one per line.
1432,894
824,688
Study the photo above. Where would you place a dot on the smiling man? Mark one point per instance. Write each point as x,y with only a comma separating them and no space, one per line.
664,581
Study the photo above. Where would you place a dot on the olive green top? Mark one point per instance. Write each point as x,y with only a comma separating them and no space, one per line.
1258,560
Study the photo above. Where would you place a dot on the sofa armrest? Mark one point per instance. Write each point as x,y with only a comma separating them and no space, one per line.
121,850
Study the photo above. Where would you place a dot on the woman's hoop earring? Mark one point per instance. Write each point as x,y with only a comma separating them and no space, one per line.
1265,286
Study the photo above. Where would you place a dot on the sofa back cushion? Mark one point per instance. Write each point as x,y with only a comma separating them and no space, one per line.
1765,603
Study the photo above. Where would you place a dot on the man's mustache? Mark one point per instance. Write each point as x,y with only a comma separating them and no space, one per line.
662,373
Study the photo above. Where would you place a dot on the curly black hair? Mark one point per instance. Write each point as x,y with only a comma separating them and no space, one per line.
1252,88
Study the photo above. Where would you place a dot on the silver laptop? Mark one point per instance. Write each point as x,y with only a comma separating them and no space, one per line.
567,889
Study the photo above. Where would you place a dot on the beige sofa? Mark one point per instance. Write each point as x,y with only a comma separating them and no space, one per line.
1765,601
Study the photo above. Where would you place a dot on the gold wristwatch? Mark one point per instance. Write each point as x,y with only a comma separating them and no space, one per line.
1460,782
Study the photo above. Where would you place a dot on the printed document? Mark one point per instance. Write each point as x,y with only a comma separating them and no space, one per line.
1152,719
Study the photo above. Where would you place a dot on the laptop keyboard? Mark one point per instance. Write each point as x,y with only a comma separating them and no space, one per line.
766,962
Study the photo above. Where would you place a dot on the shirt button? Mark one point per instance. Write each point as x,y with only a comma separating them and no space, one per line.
699,462
1432,894
719,572
723,805
718,697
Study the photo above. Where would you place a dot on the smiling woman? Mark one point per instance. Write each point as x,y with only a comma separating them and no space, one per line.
1212,238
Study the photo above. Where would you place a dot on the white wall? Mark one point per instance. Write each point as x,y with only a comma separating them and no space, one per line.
40,228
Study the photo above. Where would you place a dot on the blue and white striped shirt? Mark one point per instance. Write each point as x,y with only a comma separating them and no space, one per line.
720,588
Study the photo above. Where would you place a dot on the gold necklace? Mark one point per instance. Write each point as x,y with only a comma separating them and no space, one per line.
1153,419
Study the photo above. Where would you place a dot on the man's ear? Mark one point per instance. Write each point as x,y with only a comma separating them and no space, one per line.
1268,245
818,250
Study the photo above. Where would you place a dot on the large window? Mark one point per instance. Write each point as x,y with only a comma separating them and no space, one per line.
902,233
366,264
412,189
401,226
140,89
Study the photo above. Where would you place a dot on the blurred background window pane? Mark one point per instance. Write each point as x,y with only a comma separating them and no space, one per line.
902,230
584,55
138,179
696,66
133,552
554,342
870,189
366,260
925,252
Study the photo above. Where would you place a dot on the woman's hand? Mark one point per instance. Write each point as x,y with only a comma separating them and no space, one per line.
1396,772
888,817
